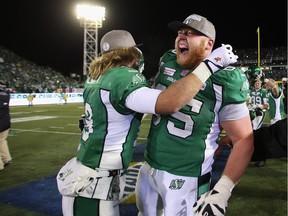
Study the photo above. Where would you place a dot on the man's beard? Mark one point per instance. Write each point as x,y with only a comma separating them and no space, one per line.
196,56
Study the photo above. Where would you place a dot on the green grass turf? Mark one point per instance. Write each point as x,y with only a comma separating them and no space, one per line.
39,148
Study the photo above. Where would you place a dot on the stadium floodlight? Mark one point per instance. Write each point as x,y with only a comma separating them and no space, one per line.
91,18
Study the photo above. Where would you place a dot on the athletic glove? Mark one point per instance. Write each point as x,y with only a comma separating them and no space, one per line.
218,59
221,58
254,106
257,106
258,111
81,123
215,202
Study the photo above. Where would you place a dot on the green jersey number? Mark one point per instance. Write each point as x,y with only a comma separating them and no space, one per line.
256,100
88,128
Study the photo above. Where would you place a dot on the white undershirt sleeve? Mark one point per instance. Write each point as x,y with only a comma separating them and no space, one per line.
233,112
143,100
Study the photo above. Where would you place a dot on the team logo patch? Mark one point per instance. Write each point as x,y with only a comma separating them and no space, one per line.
218,59
184,72
169,71
137,78
176,184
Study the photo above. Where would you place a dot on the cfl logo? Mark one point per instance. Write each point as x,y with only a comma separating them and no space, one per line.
176,184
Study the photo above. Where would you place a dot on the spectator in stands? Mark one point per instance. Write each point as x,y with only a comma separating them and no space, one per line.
5,124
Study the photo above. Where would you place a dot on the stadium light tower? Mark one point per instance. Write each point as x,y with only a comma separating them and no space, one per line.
91,18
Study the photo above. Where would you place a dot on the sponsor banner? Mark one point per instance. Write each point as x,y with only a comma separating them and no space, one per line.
44,98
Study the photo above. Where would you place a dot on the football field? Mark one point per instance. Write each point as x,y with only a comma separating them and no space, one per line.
44,137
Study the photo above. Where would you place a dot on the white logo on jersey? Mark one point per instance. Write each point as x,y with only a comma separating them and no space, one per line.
169,71
171,79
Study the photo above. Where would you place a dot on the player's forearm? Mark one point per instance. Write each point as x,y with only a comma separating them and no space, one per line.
272,86
178,94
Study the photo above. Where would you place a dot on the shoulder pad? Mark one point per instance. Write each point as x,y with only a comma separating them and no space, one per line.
168,56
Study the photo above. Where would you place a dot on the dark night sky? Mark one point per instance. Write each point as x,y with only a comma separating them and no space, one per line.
47,32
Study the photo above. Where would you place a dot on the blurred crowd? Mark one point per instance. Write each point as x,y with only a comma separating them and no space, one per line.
273,60
23,76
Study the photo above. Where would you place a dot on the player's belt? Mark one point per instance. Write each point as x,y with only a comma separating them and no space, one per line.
204,179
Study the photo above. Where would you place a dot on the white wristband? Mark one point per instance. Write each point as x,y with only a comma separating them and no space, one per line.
202,72
225,182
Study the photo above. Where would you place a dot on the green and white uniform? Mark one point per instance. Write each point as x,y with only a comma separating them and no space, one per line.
276,106
181,146
258,97
184,143
111,128
107,141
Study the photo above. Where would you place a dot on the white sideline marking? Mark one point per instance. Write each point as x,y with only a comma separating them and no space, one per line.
32,118
51,132
42,131
18,113
72,124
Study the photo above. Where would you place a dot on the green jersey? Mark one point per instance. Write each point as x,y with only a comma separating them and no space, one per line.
184,142
111,128
276,105
258,96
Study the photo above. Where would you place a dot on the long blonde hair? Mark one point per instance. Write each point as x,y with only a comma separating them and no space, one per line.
115,58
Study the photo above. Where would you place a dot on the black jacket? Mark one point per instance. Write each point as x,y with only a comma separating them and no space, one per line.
5,119
271,141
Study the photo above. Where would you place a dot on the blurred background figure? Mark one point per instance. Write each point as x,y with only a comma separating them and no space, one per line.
258,104
284,88
275,100
30,98
61,97
65,97
253,74
5,124
258,101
